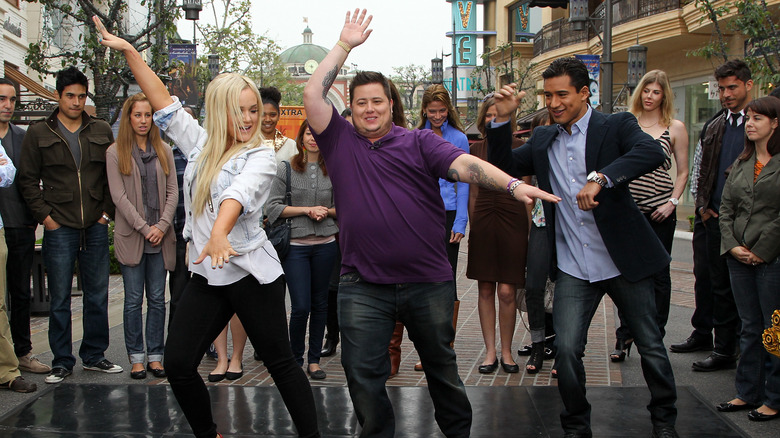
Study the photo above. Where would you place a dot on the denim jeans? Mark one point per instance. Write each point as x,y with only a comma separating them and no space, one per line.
756,294
307,270
203,312
21,248
367,316
149,273
662,280
701,320
61,248
575,303
178,279
333,293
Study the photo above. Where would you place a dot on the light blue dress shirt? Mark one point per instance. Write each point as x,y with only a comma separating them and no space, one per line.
580,248
7,174
455,199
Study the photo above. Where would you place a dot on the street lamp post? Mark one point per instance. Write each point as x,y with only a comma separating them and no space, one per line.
192,10
437,70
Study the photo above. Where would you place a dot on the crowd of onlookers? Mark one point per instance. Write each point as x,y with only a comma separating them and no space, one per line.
190,203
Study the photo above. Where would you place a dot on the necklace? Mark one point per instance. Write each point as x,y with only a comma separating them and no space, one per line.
639,119
277,142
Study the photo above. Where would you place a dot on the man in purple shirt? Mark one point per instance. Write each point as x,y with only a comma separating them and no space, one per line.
391,218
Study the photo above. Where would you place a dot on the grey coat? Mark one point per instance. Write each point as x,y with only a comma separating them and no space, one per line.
309,188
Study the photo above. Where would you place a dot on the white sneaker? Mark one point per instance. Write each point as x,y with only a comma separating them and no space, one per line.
57,375
104,366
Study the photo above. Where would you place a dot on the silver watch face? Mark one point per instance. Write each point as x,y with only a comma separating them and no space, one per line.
674,201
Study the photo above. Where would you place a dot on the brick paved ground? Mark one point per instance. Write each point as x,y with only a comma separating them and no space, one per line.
468,342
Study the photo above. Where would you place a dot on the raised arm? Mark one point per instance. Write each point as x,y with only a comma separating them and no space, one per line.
147,79
315,94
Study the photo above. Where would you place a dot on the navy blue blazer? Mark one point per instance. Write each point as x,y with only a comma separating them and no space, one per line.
616,147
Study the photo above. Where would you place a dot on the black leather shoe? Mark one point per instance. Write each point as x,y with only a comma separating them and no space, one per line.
316,374
514,368
754,415
715,362
693,343
488,369
731,407
138,375
156,372
230,375
329,348
577,435
664,432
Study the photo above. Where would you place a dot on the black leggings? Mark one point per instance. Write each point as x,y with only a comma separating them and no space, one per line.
202,313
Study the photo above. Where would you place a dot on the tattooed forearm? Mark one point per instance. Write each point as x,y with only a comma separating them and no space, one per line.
330,77
453,175
477,175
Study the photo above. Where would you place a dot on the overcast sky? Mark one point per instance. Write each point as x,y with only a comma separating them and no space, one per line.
405,31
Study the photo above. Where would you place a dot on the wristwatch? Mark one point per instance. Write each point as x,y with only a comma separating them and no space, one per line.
674,201
594,177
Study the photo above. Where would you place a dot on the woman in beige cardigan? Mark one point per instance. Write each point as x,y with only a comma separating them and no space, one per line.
142,180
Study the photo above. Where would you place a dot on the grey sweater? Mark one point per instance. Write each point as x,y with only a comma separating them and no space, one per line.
309,188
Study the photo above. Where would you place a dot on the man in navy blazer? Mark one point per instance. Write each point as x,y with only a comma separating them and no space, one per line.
602,244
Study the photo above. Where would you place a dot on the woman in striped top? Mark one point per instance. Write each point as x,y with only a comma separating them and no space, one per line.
655,193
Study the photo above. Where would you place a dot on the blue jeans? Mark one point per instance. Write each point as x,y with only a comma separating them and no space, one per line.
756,294
307,270
149,272
367,316
61,248
576,301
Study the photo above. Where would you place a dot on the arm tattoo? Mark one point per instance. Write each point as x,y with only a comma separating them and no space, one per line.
453,175
477,175
330,77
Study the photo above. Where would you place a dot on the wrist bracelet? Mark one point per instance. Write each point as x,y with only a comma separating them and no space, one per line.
107,219
512,185
347,48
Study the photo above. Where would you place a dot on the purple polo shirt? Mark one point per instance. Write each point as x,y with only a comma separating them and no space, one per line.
390,213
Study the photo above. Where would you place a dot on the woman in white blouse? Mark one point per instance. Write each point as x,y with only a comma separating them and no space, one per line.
235,268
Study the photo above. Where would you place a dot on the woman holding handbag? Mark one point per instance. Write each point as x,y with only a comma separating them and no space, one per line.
313,247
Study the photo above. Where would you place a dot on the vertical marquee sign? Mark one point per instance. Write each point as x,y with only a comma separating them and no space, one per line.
464,16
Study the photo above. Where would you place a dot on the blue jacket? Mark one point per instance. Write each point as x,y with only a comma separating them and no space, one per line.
455,195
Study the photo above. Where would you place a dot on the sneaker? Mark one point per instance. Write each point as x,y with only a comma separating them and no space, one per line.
57,375
20,385
104,366
31,364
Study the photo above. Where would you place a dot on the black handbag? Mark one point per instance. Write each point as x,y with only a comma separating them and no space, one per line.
278,233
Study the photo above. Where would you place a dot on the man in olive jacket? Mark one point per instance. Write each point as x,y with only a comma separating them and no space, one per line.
63,179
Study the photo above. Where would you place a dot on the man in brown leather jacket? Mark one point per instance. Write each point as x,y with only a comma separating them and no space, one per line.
63,179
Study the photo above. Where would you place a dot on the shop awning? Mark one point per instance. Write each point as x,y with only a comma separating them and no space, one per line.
28,83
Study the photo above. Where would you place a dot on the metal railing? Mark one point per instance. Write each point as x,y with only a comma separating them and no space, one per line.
559,33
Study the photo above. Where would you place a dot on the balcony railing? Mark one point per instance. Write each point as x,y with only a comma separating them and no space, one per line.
559,33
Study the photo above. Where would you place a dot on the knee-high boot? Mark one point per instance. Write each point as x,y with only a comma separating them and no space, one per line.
395,348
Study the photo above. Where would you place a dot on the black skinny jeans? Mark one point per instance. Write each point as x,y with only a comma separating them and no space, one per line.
203,311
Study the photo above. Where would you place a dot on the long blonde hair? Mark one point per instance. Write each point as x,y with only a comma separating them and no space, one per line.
667,106
222,99
126,137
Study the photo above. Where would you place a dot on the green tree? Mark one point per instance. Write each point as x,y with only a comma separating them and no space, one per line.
753,20
512,67
69,38
408,79
243,51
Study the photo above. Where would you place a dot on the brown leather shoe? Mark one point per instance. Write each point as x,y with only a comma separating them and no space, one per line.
418,366
31,364
20,385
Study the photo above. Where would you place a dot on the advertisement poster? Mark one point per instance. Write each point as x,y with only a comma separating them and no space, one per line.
184,64
290,120
593,62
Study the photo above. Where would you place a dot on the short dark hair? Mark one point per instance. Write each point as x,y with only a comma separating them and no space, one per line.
70,76
735,67
775,92
571,67
369,77
271,95
6,81
347,112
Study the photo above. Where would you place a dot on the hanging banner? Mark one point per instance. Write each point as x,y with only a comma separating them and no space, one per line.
184,64
593,63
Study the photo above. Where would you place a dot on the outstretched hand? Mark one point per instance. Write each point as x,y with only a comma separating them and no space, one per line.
107,39
527,193
355,30
507,100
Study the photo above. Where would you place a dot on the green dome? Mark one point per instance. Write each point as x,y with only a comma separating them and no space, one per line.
301,53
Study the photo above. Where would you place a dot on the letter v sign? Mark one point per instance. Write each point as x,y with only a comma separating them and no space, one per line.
465,16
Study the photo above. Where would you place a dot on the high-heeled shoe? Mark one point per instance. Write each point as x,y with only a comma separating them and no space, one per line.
536,359
622,350
489,368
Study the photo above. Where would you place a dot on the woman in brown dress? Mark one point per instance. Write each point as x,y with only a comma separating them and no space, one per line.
497,243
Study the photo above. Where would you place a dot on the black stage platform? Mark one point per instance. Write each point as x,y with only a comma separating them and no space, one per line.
98,411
